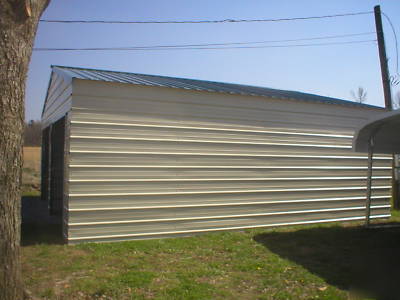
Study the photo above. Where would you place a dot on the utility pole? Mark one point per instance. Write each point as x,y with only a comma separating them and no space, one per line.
388,97
382,57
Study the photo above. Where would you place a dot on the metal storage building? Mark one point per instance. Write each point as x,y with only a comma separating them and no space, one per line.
133,156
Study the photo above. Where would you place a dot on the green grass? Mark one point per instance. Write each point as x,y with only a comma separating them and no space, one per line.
331,261
30,181
30,193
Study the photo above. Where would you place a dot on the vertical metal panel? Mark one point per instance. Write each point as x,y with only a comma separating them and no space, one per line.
153,162
45,157
55,146
57,166
65,209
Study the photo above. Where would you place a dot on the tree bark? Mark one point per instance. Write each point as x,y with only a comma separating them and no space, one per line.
18,24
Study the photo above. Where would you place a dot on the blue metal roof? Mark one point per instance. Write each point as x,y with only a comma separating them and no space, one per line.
198,85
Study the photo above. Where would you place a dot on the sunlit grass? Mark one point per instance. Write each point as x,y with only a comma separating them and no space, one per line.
303,262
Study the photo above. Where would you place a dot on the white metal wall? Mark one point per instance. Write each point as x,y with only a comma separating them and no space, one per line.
58,100
150,162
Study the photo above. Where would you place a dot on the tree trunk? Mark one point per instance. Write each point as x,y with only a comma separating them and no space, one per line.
18,24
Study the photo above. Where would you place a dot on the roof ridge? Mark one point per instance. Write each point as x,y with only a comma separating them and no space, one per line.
169,77
222,87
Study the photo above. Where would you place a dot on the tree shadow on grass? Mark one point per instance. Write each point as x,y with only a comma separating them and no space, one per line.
366,261
38,227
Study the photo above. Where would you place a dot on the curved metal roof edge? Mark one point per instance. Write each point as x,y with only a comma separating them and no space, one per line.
371,127
299,96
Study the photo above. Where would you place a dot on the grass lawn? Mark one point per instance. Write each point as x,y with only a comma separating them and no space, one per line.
331,261
31,171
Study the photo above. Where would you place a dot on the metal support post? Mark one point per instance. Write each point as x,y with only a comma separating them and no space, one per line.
369,180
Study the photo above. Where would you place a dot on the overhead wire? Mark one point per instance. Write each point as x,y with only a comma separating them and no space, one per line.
198,48
257,42
204,21
212,46
396,43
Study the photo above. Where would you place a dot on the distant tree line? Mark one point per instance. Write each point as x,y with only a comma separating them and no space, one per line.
33,133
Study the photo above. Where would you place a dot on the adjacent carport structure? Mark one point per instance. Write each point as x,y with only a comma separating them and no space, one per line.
381,134
134,156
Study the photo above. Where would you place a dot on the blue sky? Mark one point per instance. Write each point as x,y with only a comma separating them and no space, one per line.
325,70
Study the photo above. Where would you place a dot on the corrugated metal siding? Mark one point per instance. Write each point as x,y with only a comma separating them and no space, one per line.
153,162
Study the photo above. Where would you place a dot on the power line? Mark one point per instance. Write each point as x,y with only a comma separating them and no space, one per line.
241,43
396,44
198,48
204,21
